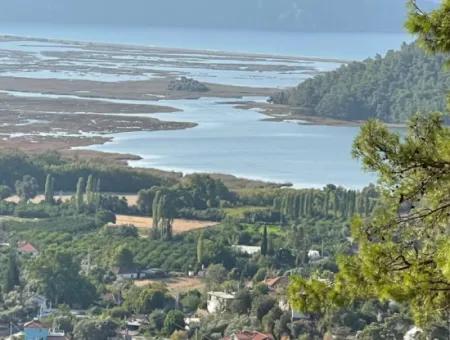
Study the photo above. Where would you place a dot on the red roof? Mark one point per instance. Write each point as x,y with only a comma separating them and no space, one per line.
248,335
27,248
271,283
34,324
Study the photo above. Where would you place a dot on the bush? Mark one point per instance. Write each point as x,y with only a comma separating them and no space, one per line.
173,321
122,231
5,191
103,217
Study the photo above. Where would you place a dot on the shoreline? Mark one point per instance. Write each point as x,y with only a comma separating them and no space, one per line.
175,49
80,100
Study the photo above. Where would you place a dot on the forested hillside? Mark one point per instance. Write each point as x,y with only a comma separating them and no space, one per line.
390,88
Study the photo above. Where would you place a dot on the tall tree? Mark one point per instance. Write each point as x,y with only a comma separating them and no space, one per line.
163,213
79,195
403,247
90,190
12,274
264,242
49,189
27,188
200,249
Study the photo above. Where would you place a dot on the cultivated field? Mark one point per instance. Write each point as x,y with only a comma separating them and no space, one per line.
175,285
179,225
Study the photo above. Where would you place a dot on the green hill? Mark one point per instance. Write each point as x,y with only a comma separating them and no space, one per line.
389,88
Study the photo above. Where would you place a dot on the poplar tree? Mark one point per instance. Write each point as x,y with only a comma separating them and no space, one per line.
12,274
90,190
49,189
200,250
79,195
264,243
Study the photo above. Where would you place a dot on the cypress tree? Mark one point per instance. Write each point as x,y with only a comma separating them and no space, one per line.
49,192
12,274
200,249
90,189
79,196
264,242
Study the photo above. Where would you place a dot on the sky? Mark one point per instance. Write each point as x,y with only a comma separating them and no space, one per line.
290,15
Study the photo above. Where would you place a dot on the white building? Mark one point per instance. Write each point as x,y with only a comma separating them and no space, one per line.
219,301
313,254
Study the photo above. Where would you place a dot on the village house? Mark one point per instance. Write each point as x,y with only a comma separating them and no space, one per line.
219,301
26,248
313,254
35,330
249,335
277,283
126,273
249,250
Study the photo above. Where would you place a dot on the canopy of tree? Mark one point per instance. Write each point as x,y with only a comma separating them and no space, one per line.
389,88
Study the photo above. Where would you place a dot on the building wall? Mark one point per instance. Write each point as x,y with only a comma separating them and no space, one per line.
36,333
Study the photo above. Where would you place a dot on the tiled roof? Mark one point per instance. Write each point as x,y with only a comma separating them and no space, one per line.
34,324
247,335
27,248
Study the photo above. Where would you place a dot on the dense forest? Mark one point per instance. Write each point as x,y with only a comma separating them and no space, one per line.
283,15
390,88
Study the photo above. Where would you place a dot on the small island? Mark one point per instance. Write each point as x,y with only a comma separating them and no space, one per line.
187,84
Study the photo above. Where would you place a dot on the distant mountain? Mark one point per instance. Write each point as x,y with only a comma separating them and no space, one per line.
390,88
292,15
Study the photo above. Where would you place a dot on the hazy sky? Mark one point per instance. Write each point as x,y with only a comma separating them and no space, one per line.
303,15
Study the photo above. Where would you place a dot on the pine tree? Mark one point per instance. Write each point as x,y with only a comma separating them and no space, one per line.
49,189
264,242
79,196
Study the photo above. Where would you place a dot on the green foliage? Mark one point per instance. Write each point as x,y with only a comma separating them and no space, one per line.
79,195
163,213
264,242
389,88
58,277
401,246
88,329
215,275
49,189
174,321
26,188
310,295
123,257
103,217
12,274
242,302
200,249
191,301
5,191
262,305
115,178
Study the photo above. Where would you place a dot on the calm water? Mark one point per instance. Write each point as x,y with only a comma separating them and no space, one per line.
350,46
235,141
240,142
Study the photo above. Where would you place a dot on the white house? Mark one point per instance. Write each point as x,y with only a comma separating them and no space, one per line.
125,273
313,254
219,301
249,250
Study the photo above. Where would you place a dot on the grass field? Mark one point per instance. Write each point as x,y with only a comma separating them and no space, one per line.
179,225
176,285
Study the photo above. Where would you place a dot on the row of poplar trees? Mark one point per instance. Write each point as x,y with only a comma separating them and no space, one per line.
331,201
